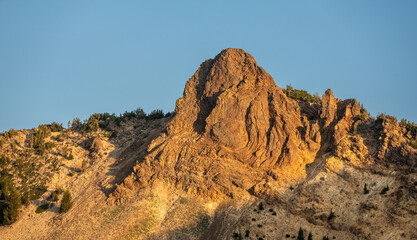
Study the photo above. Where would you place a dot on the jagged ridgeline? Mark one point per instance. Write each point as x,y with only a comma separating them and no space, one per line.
241,158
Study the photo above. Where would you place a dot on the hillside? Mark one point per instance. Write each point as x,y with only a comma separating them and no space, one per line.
241,158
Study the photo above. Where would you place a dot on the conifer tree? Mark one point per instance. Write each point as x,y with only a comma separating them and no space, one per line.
66,203
300,234
11,209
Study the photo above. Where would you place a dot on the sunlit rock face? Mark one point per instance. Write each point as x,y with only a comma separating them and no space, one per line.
234,130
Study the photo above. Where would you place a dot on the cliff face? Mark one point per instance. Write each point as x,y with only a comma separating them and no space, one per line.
233,116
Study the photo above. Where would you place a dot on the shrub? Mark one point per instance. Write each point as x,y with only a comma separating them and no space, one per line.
384,190
37,139
364,114
37,191
326,238
365,190
4,160
42,208
140,114
261,206
247,232
410,126
11,133
382,116
41,150
301,95
50,145
76,123
56,127
169,114
59,138
331,215
129,115
66,203
237,236
54,196
259,225
70,156
156,114
92,123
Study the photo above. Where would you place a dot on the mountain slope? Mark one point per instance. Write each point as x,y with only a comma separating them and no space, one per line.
242,158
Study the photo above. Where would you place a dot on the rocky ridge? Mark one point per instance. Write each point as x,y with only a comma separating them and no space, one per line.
233,116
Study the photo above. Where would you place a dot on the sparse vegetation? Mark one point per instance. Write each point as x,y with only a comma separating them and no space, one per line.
384,190
156,114
331,215
56,127
237,236
37,139
364,114
11,133
382,116
302,95
261,206
42,208
55,194
92,123
410,126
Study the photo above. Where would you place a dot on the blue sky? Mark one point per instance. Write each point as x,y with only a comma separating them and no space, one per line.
65,59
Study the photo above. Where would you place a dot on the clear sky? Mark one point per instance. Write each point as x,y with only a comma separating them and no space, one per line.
66,59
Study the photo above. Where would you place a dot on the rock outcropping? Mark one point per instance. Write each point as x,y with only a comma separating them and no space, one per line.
234,117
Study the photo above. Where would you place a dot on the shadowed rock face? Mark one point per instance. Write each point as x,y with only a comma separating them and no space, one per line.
234,125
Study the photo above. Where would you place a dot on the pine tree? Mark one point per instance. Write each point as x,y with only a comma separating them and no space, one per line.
66,202
11,210
365,190
310,236
300,234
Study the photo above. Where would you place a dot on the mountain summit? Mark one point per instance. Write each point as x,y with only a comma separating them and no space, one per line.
233,116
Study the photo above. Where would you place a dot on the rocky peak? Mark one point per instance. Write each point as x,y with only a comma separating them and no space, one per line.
229,70
233,126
